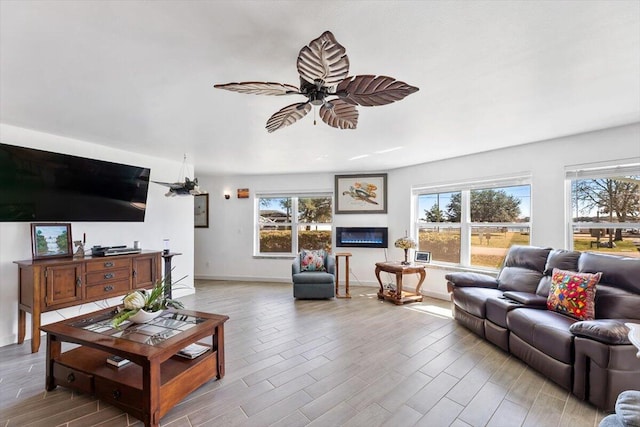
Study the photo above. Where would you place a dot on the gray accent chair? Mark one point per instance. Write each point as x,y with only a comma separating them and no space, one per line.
314,284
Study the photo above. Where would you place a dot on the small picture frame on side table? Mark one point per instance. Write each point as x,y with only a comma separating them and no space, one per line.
422,257
51,241
201,211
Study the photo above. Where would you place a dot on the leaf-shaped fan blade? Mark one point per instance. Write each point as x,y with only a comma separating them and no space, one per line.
324,60
341,116
287,116
260,88
371,91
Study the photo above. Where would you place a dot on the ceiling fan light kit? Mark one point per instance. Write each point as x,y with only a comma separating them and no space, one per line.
323,66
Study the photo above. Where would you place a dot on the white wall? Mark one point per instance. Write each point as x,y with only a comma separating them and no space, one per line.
166,218
224,250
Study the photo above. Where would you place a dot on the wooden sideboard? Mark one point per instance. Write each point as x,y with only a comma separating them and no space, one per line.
46,285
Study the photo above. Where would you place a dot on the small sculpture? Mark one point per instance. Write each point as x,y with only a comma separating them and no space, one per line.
80,251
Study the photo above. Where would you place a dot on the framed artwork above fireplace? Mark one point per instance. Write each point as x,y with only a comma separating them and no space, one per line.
363,193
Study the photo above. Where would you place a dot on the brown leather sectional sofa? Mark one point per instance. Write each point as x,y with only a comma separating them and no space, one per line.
592,358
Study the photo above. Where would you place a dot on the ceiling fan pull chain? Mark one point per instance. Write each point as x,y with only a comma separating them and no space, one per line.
315,114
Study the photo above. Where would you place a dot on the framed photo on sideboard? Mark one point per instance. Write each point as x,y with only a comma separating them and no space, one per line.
51,240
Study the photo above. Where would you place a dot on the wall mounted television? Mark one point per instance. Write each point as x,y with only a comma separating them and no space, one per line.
38,185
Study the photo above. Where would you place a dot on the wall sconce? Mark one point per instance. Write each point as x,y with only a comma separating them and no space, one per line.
227,196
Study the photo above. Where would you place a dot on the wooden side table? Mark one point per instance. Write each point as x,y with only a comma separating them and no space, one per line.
346,256
399,296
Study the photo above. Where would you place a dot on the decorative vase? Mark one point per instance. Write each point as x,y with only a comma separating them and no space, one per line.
144,316
406,253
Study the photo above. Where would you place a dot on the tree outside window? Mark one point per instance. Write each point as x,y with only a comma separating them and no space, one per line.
606,214
474,227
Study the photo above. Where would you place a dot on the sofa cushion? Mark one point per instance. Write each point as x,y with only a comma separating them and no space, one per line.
608,331
562,259
473,300
545,330
312,260
530,257
311,277
519,279
573,293
618,271
616,303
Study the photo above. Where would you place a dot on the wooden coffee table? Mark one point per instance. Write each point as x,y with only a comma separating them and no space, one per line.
399,296
157,378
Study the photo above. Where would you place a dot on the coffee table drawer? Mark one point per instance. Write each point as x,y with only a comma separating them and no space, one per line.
104,290
71,378
118,394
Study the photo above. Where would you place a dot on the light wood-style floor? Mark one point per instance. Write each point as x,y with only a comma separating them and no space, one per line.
357,362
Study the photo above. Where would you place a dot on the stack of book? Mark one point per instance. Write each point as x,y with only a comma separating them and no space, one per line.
192,351
117,361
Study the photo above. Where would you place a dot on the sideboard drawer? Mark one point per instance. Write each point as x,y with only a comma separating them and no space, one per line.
98,277
108,263
106,289
71,378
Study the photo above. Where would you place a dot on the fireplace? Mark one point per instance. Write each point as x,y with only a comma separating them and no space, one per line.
361,237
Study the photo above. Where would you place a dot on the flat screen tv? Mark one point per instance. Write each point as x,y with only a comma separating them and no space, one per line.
38,185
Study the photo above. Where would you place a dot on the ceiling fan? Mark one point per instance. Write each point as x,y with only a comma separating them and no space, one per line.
323,66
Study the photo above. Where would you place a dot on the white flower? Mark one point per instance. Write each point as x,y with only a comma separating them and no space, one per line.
405,243
134,301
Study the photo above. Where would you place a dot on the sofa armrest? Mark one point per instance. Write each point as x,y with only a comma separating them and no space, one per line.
607,331
528,299
465,280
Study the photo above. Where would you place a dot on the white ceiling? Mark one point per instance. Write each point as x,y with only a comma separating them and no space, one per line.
139,75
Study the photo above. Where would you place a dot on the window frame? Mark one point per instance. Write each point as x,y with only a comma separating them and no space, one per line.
465,225
295,223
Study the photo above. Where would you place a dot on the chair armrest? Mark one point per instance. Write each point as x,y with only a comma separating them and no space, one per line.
295,265
477,280
526,298
330,264
607,331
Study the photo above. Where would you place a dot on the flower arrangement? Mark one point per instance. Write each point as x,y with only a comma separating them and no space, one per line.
149,301
405,243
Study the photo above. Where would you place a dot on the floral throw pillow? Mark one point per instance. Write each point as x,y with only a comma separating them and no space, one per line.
573,293
312,260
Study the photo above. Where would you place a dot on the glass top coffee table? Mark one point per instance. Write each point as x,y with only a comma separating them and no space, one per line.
157,377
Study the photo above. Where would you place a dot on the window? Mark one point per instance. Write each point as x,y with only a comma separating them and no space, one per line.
288,223
605,209
473,224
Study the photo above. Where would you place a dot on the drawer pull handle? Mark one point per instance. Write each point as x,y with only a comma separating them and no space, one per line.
116,394
109,276
108,288
71,378
108,264
135,273
78,281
